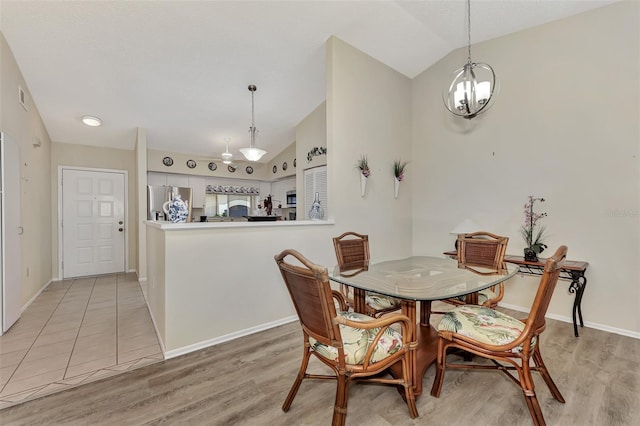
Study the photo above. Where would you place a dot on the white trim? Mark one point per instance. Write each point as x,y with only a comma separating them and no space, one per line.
607,328
227,337
35,296
61,168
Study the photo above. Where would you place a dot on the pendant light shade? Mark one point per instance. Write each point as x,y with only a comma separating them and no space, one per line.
252,153
472,87
226,155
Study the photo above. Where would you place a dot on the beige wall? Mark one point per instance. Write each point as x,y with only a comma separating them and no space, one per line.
64,154
369,113
288,155
565,126
35,173
310,132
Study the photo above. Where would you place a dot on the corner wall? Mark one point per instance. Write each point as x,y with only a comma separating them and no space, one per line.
369,113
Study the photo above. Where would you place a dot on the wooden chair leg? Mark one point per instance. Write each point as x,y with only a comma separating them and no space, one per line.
440,367
299,378
528,389
537,359
408,388
340,406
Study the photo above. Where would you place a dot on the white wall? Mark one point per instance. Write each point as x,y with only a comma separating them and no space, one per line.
369,113
23,126
565,126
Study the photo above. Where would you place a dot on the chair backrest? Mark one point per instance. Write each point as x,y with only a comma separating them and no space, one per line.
482,249
352,249
310,292
552,269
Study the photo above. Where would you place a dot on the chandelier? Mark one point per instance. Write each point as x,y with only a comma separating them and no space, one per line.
472,86
252,153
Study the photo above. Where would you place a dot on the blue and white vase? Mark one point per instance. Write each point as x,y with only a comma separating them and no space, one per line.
176,209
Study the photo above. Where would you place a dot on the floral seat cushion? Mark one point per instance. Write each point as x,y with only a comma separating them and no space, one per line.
357,341
483,296
380,301
483,324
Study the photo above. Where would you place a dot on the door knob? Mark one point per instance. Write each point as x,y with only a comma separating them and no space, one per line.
120,222
120,229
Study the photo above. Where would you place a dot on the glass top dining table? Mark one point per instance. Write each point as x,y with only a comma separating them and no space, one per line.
418,279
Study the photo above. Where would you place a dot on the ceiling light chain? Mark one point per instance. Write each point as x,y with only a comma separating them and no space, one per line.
472,86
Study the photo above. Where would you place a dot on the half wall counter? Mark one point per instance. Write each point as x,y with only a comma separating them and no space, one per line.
210,282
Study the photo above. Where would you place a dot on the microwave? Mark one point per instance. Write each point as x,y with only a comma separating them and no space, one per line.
291,198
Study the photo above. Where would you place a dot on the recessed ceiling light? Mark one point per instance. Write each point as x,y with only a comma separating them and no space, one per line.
92,121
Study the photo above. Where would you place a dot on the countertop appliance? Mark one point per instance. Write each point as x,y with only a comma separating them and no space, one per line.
158,195
291,198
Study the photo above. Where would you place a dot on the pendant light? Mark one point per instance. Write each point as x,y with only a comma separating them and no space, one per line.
252,153
472,86
226,155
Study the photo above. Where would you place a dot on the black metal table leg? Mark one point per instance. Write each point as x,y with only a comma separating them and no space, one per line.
578,283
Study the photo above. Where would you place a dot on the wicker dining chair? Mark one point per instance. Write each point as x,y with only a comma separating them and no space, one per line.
352,252
509,343
483,253
355,346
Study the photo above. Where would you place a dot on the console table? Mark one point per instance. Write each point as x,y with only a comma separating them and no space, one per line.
571,271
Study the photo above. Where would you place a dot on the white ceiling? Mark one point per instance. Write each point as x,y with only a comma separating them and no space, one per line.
181,69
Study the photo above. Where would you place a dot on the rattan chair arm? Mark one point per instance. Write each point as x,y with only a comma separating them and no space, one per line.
342,301
384,322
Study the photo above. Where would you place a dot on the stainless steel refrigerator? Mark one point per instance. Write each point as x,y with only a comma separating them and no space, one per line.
158,195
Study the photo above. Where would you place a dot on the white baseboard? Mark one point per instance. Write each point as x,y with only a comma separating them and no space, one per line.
35,296
563,318
231,336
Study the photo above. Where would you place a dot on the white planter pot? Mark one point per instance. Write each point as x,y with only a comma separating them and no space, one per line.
363,184
396,187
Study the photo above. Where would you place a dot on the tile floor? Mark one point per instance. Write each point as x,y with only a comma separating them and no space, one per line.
77,331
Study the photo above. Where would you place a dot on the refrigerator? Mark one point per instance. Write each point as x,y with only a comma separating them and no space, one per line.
158,195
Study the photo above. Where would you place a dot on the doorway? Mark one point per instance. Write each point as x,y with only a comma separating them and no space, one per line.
92,227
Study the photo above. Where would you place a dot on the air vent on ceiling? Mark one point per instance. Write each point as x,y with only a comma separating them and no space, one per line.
22,98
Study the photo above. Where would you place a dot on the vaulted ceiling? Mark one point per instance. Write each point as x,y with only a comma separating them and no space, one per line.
181,69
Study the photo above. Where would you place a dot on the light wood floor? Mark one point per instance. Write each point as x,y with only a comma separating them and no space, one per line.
244,382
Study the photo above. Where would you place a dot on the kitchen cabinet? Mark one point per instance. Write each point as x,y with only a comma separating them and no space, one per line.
177,180
198,185
156,179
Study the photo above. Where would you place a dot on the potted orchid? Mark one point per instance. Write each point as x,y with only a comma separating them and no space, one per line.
532,236
365,172
398,173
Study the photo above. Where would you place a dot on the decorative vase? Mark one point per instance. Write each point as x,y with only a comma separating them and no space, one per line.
363,184
176,209
316,212
530,255
396,187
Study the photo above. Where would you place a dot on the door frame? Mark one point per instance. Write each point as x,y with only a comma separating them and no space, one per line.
61,169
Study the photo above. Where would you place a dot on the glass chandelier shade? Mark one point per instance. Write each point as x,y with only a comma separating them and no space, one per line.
472,87
226,155
252,153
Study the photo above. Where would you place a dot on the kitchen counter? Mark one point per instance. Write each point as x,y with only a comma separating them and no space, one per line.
169,226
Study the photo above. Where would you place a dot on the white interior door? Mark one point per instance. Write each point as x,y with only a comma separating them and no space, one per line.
10,231
93,214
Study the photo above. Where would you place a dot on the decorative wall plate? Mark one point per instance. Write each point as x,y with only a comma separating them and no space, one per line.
284,166
275,168
167,161
231,168
213,166
249,170
191,164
